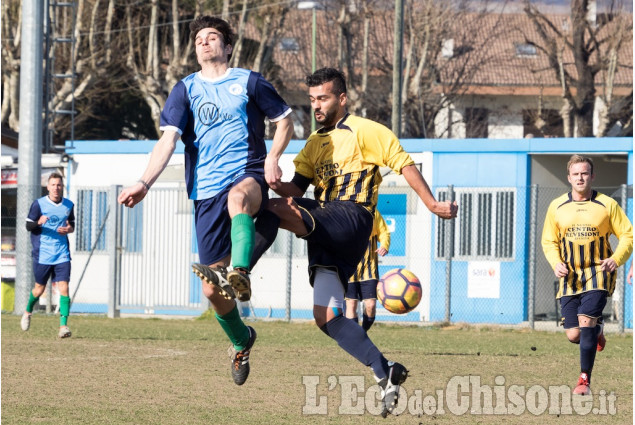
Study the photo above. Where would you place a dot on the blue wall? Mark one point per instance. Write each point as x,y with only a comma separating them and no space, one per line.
465,163
483,169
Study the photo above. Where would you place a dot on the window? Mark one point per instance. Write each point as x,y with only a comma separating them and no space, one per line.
133,228
476,123
92,207
289,44
484,228
84,219
525,49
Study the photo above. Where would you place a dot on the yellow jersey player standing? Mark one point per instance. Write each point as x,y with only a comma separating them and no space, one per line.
362,286
342,161
575,240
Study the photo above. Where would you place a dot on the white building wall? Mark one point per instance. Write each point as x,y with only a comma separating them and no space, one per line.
167,258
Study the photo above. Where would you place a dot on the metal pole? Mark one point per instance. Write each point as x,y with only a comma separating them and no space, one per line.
287,310
449,245
30,147
114,252
531,267
396,68
622,275
313,43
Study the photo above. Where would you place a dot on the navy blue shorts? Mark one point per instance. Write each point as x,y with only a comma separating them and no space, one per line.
365,290
213,224
57,272
338,235
590,303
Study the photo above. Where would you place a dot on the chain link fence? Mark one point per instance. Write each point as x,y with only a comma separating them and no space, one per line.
486,266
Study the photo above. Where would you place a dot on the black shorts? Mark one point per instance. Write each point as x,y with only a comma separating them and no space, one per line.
338,235
57,272
590,303
364,290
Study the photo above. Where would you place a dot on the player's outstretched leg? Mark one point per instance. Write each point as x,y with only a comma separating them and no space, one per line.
240,358
352,338
216,276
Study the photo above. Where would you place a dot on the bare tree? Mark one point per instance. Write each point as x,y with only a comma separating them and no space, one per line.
11,23
583,54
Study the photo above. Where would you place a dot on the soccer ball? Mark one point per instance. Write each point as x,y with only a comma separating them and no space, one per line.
399,291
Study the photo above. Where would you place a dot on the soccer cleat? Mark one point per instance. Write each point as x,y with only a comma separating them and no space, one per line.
25,322
240,359
397,375
64,332
240,283
216,276
583,385
601,341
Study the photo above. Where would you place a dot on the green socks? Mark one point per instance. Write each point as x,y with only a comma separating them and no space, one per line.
31,303
243,240
65,307
234,327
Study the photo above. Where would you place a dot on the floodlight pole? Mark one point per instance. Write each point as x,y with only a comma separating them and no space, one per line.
30,146
396,69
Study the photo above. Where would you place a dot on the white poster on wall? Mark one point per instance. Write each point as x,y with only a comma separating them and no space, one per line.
483,279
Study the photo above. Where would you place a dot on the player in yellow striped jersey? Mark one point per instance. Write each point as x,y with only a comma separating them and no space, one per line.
362,286
342,160
575,240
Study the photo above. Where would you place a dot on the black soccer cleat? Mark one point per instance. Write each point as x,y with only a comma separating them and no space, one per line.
216,276
240,283
240,359
397,375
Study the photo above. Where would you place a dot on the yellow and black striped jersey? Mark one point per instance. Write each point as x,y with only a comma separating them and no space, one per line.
343,162
367,269
577,233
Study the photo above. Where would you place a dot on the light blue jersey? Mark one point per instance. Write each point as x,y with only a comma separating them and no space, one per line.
221,122
50,247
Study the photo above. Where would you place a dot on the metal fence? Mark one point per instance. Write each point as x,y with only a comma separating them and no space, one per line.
486,266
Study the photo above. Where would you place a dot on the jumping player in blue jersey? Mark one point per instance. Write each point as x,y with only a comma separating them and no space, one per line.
51,218
219,113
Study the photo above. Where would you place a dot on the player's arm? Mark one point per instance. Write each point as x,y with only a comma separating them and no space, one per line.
383,235
551,244
623,229
295,188
70,224
159,158
281,138
34,217
418,184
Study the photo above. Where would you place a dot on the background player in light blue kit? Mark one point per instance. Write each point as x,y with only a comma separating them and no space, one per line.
50,219
219,114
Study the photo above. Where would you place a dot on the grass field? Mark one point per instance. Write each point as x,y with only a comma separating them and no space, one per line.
153,371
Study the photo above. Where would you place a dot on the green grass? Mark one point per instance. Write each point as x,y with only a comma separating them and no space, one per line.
151,371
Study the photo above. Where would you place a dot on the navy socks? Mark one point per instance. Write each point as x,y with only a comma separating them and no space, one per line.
588,349
367,322
353,339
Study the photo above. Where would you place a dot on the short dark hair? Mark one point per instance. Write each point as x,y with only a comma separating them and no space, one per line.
324,75
577,159
218,24
55,176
